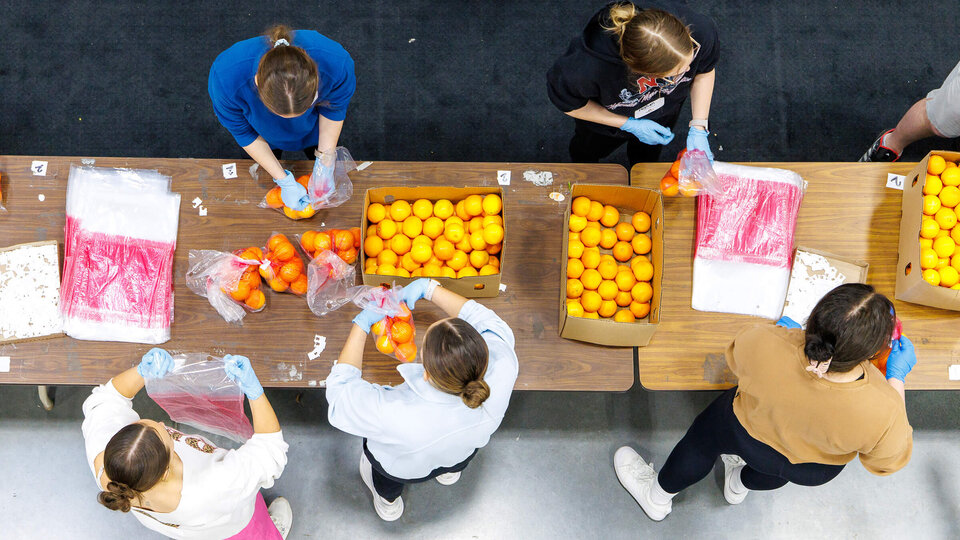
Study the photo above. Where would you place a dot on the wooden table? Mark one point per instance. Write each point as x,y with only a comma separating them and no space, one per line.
278,339
847,210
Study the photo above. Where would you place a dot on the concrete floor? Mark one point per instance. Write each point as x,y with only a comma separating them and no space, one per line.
546,474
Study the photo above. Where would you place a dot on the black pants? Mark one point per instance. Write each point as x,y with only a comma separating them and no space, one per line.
309,152
717,431
588,146
390,487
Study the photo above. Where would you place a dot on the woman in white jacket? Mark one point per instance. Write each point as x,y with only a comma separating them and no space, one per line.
181,485
432,425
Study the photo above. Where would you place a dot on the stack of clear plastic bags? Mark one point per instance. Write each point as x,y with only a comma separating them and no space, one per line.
394,334
331,283
119,241
198,392
214,275
744,244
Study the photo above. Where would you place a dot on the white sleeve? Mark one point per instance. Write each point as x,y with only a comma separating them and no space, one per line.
355,405
253,466
105,412
503,366
488,323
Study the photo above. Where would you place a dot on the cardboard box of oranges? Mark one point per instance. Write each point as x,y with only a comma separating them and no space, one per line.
928,271
459,242
624,265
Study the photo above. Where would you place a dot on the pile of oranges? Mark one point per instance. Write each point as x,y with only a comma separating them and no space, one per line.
282,267
247,290
273,200
939,233
395,335
608,271
344,243
435,239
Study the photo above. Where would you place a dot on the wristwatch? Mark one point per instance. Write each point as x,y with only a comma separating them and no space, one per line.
700,124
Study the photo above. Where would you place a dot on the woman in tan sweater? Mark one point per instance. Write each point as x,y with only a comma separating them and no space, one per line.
807,403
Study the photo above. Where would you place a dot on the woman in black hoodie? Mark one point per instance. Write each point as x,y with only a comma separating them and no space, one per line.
626,78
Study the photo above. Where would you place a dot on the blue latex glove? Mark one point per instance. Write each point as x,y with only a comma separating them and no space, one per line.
647,131
367,318
421,288
901,360
697,140
292,193
155,364
240,371
787,322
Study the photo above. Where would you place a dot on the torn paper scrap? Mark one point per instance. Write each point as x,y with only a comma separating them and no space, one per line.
538,178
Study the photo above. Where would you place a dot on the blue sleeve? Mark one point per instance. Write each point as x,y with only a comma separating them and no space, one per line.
343,84
229,114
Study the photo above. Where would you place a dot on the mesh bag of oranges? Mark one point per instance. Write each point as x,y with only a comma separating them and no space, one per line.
442,238
395,333
344,242
331,283
939,232
229,281
609,272
282,268
328,186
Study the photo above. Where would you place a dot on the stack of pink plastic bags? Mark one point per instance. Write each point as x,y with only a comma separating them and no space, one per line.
119,240
744,245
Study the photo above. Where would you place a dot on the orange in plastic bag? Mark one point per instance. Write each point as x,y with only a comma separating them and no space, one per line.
395,335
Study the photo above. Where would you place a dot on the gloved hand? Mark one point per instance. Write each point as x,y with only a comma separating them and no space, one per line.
647,131
323,171
367,318
421,288
240,371
901,360
787,322
155,364
292,193
697,140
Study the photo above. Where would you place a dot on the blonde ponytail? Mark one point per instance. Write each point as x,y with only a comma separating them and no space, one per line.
652,42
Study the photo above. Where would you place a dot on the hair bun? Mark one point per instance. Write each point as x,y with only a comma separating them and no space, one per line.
475,393
818,349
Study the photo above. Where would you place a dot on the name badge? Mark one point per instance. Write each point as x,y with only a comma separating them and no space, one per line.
649,108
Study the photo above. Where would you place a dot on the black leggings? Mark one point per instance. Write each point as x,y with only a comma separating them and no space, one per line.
717,431
390,487
588,146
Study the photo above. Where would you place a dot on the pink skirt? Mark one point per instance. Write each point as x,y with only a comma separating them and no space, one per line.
261,527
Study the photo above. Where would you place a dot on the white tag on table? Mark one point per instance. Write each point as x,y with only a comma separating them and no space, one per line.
503,287
364,165
230,170
954,372
39,168
895,181
649,108
503,178
5,364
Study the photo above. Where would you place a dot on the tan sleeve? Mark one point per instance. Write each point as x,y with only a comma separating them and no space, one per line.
892,452
739,350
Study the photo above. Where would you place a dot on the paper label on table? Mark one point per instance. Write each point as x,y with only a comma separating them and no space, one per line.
41,197
364,165
895,181
197,202
230,170
649,107
503,287
39,168
5,364
503,178
954,372
203,211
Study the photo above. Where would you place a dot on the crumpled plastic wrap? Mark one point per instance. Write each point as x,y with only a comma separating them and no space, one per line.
331,283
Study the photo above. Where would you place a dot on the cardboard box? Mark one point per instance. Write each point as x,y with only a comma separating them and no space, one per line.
628,200
470,287
910,284
853,271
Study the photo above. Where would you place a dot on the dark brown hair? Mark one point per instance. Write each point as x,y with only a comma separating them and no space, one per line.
134,460
849,325
287,79
455,357
652,41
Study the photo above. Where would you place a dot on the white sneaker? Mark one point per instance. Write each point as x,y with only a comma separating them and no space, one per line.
732,464
388,511
448,479
282,515
637,478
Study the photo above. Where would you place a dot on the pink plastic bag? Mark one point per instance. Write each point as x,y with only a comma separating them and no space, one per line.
330,283
697,176
198,392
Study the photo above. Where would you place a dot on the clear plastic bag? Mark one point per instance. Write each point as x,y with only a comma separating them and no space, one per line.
198,392
229,282
331,283
329,184
394,334
380,299
344,242
696,175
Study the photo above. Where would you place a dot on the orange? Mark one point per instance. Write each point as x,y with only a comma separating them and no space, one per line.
607,269
256,300
376,212
593,224
400,210
443,249
434,260
491,220
412,226
401,331
624,315
477,242
625,231
580,206
446,271
641,244
372,230
433,227
467,271
407,262
949,276
479,258
473,205
608,289
607,238
574,268
405,313
387,257
386,228
623,299
596,211
625,280
241,292
590,237
936,165
488,270
946,218
460,212
289,272
475,224
607,308
931,203
641,222
955,234
610,216
443,209
574,249
590,301
943,263
577,223
454,232
931,276
932,185
406,352
273,198
303,180
492,204
400,244
951,164
591,279
928,258
590,315
950,177
623,251
275,241
307,212
607,257
372,246
643,271
420,252
254,254
458,260
669,186
422,208
950,196
422,239
417,273
494,261
299,285
639,309
574,309
944,246
284,252
642,292
573,236
306,240
590,259
384,344
278,285
493,234
342,240
251,278
452,219
290,213
926,243
432,270
464,245
929,228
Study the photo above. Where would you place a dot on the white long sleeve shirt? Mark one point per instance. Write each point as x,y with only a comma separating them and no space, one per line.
413,428
220,486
